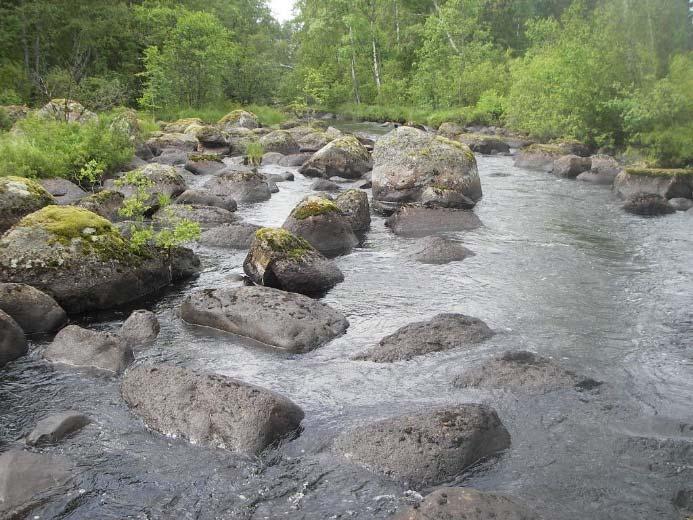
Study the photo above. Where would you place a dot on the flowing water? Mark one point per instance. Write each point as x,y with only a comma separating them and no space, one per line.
559,269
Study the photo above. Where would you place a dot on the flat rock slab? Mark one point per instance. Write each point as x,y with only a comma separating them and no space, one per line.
439,250
26,478
56,427
285,320
210,409
523,371
466,504
84,348
418,221
429,448
444,332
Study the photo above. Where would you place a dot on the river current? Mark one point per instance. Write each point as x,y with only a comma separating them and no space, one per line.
559,270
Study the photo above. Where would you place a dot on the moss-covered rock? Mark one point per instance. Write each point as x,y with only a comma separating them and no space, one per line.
181,126
240,183
159,142
66,110
204,163
538,156
314,206
80,259
279,259
239,119
279,141
155,179
410,164
344,157
128,123
239,139
668,183
19,197
355,207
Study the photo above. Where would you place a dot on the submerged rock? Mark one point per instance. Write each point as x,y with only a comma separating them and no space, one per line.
237,235
655,181
439,250
239,119
444,332
84,348
210,409
64,191
80,259
417,221
345,157
409,163
56,427
466,504
648,205
570,166
206,198
523,371
12,341
285,320
241,184
20,197
321,222
140,329
281,260
33,310
356,209
428,448
27,478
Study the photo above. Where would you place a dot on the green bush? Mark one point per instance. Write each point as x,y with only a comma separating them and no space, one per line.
214,112
5,120
42,148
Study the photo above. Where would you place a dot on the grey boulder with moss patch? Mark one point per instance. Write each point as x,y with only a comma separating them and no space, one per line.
321,222
356,209
279,141
210,409
160,141
239,119
162,180
450,503
85,348
667,183
18,198
240,183
429,448
66,110
236,235
285,320
105,203
80,259
12,341
413,166
281,260
443,332
344,157
33,310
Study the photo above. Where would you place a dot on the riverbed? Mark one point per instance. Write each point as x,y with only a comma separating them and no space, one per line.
559,270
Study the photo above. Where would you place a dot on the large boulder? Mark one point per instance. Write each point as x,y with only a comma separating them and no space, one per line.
27,479
239,119
294,160
54,428
85,348
345,157
429,448
204,164
466,504
140,329
484,144
321,222
157,180
159,142
410,164
33,310
603,170
18,198
206,216
236,235
279,141
312,138
241,184
210,409
171,157
444,332
206,198
681,204
12,341
285,320
105,203
354,205
211,137
539,156
66,110
439,250
667,183
181,126
648,205
416,221
80,259
570,166
239,139
281,260
63,191
523,371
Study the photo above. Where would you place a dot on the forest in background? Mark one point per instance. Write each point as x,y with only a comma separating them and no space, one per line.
612,73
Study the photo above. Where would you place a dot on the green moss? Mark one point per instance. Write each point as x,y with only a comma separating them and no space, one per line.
235,115
281,241
314,206
551,149
659,172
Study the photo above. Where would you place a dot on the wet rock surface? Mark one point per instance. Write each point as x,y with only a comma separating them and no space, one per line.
345,157
439,250
140,329
206,198
236,235
85,348
648,205
33,310
285,320
210,409
429,448
356,209
12,341
417,221
240,183
444,332
56,427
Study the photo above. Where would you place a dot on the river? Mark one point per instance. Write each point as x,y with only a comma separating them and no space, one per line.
559,269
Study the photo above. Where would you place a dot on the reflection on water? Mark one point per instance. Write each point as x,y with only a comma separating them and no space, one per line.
559,269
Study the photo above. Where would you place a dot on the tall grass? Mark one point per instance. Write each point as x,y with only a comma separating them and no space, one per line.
400,114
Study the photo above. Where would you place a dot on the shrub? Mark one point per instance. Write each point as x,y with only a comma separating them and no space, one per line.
5,120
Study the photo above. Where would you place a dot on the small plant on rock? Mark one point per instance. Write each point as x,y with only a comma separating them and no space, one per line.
253,154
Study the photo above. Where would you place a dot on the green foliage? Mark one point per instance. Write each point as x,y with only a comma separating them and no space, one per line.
253,153
5,120
43,148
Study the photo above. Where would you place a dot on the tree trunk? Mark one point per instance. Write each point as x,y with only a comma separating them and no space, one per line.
447,33
353,68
